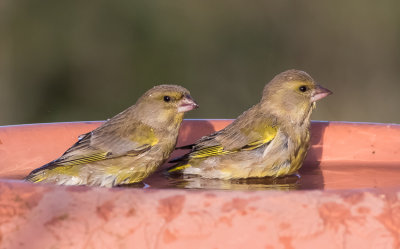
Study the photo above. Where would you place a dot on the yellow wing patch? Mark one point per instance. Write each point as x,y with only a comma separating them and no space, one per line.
269,133
68,170
145,135
210,151
82,160
181,167
265,133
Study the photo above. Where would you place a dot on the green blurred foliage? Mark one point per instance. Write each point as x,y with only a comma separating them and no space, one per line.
84,60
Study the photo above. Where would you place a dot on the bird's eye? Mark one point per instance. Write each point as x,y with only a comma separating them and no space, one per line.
303,89
167,98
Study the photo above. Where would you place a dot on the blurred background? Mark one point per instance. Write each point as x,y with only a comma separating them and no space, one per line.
84,60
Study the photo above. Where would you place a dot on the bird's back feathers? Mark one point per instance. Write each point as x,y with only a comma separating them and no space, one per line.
244,134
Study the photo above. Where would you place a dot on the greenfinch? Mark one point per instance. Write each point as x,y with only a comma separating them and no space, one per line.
126,148
270,139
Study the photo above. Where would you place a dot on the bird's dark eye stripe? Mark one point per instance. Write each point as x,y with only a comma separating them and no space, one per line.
167,98
303,88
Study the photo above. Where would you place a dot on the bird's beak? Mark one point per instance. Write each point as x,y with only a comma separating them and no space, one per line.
319,93
187,104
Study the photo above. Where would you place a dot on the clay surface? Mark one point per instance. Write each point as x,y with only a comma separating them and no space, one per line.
355,165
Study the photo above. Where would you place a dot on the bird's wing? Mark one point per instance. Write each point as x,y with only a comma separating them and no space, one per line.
243,134
106,144
234,140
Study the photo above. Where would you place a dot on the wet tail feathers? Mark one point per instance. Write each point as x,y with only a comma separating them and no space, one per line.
45,172
37,175
177,168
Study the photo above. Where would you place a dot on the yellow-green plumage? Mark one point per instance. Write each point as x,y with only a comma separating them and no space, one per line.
269,139
126,148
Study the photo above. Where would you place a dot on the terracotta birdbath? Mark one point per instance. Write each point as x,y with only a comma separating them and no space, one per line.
347,195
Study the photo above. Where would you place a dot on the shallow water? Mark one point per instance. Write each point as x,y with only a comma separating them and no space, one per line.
323,177
160,181
327,177
192,182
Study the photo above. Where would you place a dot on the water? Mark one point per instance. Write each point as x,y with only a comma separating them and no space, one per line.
324,177
191,182
306,180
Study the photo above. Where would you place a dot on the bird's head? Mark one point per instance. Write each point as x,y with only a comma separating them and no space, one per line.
164,103
292,93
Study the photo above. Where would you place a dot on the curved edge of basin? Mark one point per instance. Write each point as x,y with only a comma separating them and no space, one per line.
26,147
49,216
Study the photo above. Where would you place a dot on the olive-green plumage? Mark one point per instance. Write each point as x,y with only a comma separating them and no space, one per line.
269,139
126,148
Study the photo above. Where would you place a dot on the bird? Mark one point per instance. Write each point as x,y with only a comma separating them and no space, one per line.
126,148
270,139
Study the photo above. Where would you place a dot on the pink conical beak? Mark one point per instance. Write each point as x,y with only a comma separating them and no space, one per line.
187,104
320,93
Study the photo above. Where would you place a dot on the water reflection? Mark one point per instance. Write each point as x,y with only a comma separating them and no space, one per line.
191,182
309,178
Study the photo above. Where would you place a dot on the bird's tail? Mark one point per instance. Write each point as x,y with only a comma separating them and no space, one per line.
37,175
177,168
181,162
